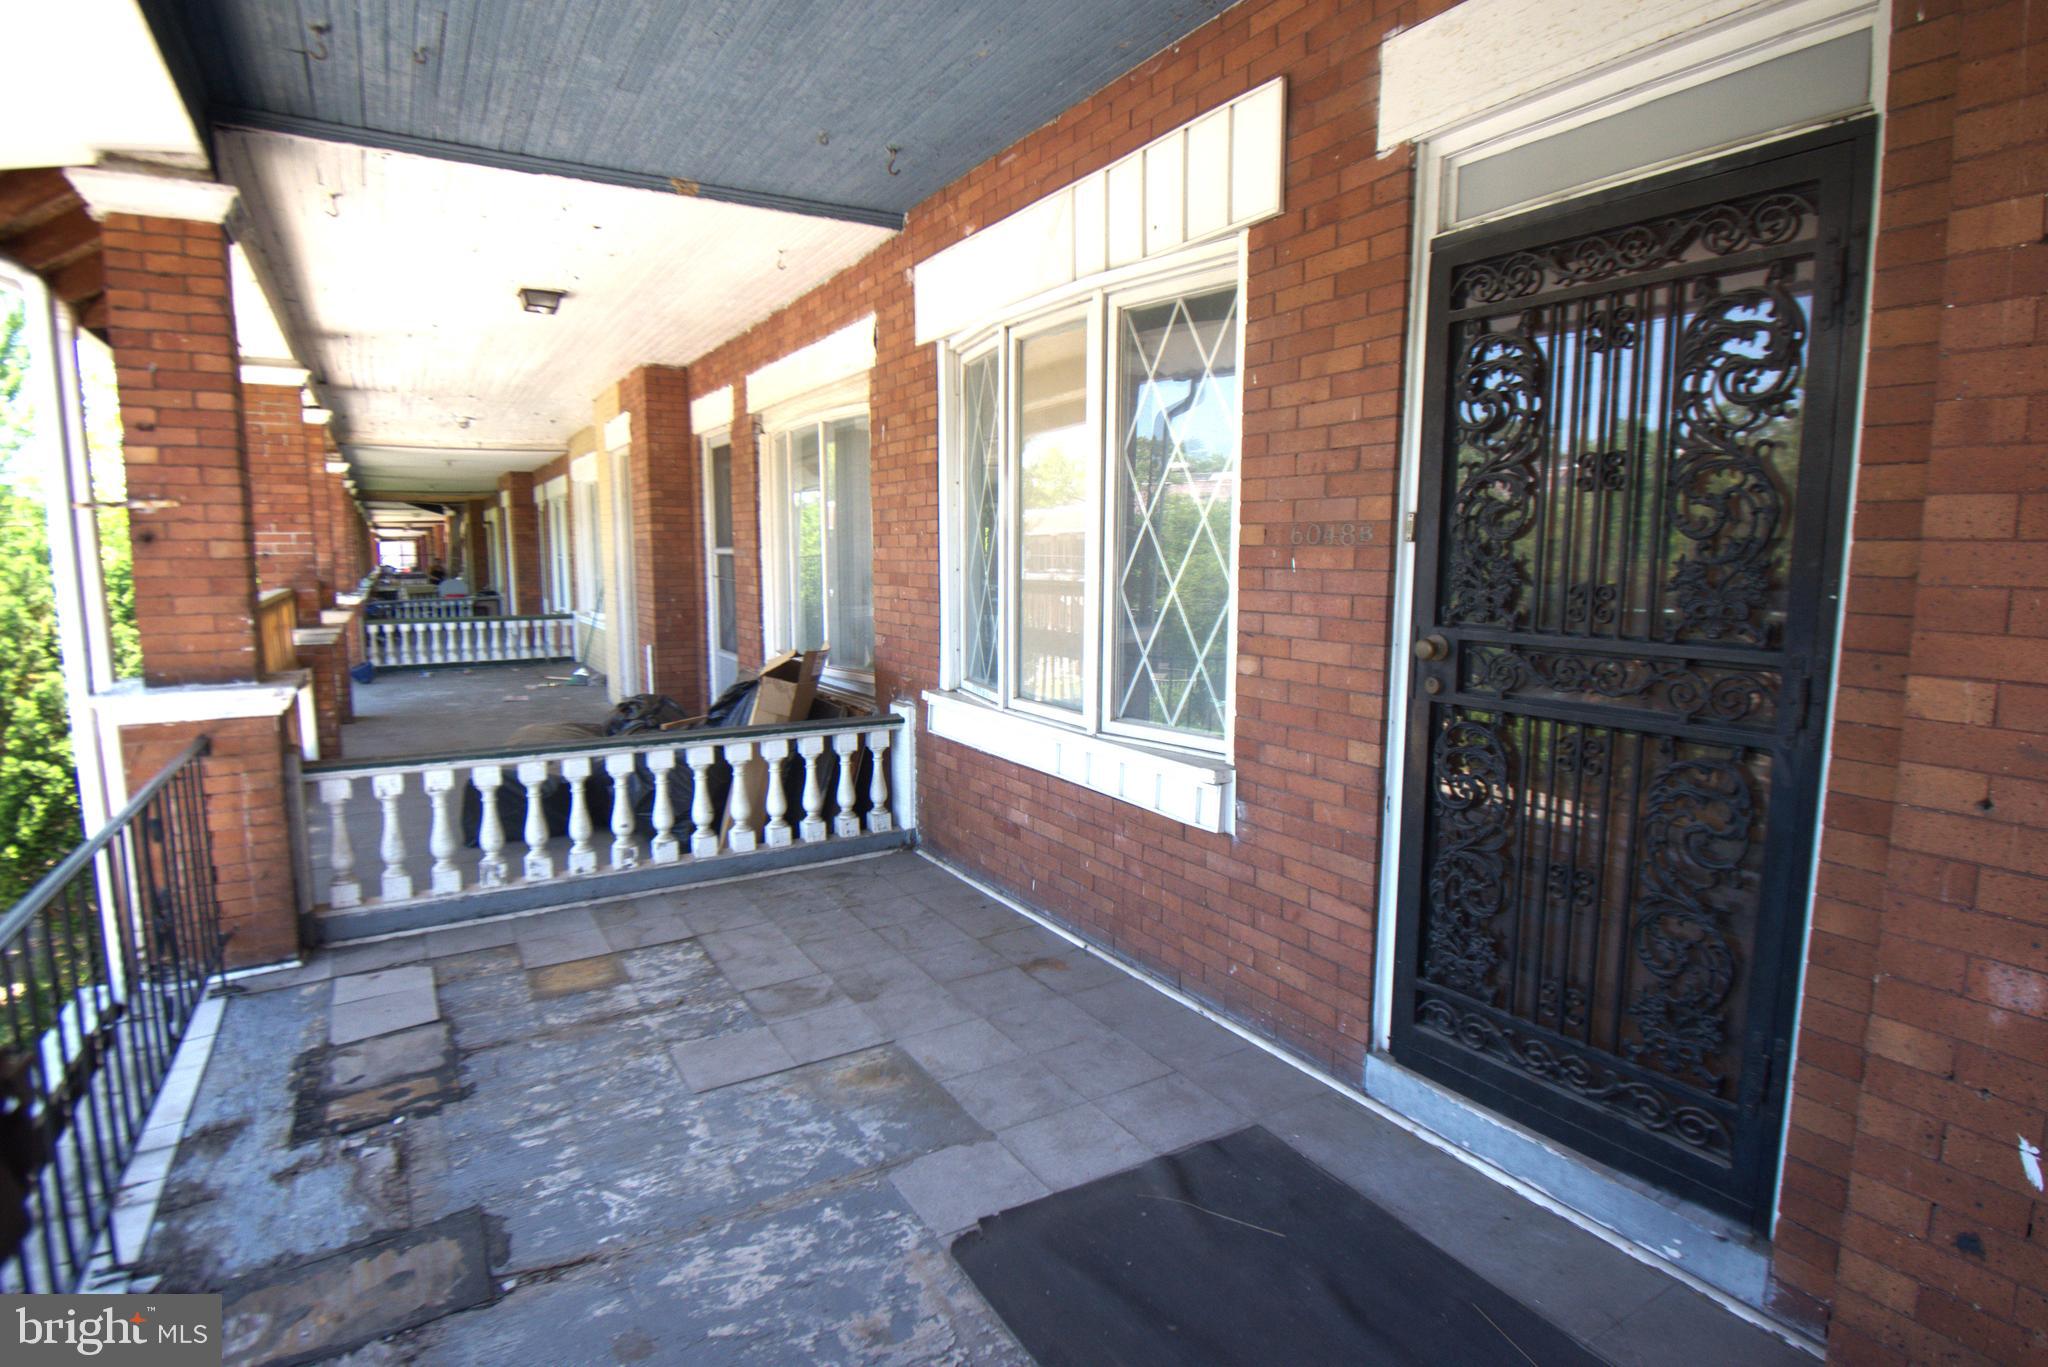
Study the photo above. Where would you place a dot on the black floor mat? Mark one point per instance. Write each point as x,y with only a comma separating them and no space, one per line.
1241,1251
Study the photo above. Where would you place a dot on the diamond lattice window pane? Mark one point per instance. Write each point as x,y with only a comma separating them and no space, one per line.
981,477
1176,490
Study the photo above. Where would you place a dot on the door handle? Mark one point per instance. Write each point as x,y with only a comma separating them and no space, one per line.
1432,647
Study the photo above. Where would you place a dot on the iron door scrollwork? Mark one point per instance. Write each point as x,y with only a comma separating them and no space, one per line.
1634,482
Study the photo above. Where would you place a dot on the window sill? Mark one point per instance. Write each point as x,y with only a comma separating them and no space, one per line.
1190,789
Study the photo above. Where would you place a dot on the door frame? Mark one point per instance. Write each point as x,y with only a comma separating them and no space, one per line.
706,444
1400,803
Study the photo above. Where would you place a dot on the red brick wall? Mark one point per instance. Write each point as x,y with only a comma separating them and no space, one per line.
1276,925
178,376
285,494
247,825
668,532
1944,1247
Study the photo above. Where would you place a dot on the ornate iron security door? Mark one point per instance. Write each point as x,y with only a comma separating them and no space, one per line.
1624,609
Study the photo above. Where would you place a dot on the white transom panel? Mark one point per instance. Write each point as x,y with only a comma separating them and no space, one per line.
1213,175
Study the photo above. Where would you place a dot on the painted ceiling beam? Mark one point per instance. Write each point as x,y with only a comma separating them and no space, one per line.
263,121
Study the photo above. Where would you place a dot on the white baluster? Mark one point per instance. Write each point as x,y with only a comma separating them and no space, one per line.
490,831
497,630
397,882
375,639
812,827
582,856
664,848
847,746
625,848
414,647
342,888
539,864
742,838
879,817
777,832
437,649
703,838
440,786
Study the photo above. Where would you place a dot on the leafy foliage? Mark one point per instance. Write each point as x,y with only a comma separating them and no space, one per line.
38,793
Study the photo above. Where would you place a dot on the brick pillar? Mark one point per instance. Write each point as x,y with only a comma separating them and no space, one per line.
285,502
668,531
177,368
172,330
313,446
247,825
522,540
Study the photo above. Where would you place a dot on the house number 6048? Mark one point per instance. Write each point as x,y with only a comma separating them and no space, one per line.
1331,534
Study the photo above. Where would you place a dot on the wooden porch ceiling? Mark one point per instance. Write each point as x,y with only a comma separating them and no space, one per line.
44,226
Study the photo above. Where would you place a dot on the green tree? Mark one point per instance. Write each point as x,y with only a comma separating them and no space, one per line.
38,790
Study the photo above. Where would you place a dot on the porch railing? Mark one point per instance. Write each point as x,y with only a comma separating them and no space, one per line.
421,609
277,618
469,640
101,967
385,835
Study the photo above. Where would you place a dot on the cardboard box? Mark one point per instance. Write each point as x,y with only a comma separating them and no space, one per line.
787,684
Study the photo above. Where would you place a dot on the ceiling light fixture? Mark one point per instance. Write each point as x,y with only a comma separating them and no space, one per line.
541,301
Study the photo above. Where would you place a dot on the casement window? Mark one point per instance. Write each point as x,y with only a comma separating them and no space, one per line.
818,543
1092,462
403,556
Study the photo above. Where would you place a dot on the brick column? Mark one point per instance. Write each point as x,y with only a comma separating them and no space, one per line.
177,368
285,496
522,540
172,330
668,530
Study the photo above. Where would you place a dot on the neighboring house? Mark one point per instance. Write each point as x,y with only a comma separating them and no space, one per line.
1499,545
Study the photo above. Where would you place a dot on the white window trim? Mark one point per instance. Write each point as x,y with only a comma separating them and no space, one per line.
847,398
1173,784
622,563
551,500
707,442
586,545
1176,775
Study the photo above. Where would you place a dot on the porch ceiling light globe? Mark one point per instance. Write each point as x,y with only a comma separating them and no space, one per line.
541,301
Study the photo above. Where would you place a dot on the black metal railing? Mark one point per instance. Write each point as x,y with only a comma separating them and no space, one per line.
101,968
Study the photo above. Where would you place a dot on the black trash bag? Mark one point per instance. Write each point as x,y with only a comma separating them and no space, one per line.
732,707
643,712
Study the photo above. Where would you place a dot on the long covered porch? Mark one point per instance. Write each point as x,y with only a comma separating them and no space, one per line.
1521,594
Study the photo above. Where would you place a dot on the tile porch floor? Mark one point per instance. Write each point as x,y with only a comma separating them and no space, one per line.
740,1123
